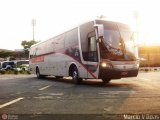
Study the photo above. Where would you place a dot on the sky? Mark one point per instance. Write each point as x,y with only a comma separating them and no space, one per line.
56,16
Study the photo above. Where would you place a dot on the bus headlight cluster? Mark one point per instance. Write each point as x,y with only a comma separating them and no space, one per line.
137,65
106,65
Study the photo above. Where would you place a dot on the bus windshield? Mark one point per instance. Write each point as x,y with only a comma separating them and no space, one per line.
118,42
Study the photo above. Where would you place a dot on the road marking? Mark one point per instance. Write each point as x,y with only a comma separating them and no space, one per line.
44,97
103,93
108,109
144,79
11,102
45,87
57,94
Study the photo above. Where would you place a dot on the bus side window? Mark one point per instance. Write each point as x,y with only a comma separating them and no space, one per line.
92,49
35,54
31,56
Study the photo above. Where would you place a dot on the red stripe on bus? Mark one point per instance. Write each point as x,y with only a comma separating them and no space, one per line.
82,65
40,58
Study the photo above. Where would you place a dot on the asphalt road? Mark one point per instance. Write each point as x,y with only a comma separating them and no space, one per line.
25,97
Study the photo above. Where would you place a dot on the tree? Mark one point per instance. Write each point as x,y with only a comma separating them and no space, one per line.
27,44
5,54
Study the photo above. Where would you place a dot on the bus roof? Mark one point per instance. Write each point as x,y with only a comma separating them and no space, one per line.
95,20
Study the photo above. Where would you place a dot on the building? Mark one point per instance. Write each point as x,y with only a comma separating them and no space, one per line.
151,55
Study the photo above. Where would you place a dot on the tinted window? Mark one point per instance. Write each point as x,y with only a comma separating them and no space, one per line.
12,64
71,38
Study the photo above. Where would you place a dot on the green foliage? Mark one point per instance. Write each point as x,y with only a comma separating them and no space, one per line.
27,44
15,72
28,72
4,54
9,72
146,70
2,71
21,72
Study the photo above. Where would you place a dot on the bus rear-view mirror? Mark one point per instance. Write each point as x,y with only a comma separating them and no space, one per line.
100,30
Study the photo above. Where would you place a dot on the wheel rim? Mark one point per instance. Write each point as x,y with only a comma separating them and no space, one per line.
37,73
75,75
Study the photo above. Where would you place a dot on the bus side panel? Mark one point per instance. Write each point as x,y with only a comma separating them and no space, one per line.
56,64
59,63
54,56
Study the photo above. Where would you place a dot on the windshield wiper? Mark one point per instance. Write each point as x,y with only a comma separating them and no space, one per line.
112,49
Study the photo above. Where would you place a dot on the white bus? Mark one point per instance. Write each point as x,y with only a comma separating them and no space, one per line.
94,50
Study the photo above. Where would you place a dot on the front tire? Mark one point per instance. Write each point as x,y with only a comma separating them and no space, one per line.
106,80
75,76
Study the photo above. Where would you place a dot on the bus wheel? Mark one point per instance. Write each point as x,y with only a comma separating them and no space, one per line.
106,80
38,73
75,76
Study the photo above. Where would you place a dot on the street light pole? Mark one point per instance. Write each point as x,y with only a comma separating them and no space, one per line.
136,17
33,25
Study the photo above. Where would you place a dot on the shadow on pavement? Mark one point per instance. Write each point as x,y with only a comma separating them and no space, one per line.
91,82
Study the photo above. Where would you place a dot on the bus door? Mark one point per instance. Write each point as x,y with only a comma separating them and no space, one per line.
92,57
89,49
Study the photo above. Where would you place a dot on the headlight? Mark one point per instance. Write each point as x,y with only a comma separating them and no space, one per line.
106,65
137,65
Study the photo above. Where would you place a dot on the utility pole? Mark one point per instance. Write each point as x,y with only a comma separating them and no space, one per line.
33,27
136,17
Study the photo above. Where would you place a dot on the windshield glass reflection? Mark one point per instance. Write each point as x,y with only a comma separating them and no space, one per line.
119,42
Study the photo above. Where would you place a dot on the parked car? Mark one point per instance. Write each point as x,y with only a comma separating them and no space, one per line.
0,65
8,65
15,65
22,65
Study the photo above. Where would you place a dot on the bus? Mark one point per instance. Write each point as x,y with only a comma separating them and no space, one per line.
97,49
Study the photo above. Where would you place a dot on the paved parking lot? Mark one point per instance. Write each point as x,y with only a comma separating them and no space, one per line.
29,98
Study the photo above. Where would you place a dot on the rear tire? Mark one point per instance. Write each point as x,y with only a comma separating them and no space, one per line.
39,76
75,76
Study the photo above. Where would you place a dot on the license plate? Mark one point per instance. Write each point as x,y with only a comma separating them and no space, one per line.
124,73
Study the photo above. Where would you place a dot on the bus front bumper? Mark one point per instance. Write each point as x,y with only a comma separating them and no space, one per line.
116,73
